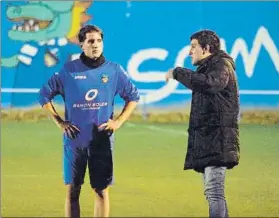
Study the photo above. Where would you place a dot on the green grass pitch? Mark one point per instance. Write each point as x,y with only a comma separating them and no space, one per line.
149,176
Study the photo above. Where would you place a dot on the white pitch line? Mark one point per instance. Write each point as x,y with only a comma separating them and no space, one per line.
166,130
171,131
130,125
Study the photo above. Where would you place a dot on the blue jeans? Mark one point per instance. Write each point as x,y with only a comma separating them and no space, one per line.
214,190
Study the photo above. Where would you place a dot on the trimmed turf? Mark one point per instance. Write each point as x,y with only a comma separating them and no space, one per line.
149,175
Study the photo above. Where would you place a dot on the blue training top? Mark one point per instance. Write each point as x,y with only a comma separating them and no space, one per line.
88,95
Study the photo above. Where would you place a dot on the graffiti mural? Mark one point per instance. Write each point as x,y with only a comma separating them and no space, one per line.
45,29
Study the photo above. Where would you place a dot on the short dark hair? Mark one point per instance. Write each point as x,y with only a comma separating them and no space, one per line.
88,29
208,37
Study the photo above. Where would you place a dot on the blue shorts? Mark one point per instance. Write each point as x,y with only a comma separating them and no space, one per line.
98,157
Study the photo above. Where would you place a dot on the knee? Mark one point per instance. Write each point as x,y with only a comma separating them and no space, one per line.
214,180
214,193
73,193
102,193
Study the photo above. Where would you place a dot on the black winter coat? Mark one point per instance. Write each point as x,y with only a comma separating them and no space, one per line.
213,128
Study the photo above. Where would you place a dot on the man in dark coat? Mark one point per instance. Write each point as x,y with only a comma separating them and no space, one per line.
213,142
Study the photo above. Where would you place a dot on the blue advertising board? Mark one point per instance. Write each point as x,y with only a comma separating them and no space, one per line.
146,38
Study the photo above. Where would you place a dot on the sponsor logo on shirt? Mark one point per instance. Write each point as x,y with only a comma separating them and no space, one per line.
91,94
90,106
89,97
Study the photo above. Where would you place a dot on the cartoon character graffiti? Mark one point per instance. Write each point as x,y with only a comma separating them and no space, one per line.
47,30
47,23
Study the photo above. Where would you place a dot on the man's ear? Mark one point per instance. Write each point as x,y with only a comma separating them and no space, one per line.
206,49
81,44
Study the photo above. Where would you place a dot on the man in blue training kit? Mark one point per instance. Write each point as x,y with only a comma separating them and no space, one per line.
88,86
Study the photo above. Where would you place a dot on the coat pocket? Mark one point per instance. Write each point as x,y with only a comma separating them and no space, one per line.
208,142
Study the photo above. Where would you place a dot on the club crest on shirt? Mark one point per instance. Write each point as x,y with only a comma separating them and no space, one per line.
105,78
